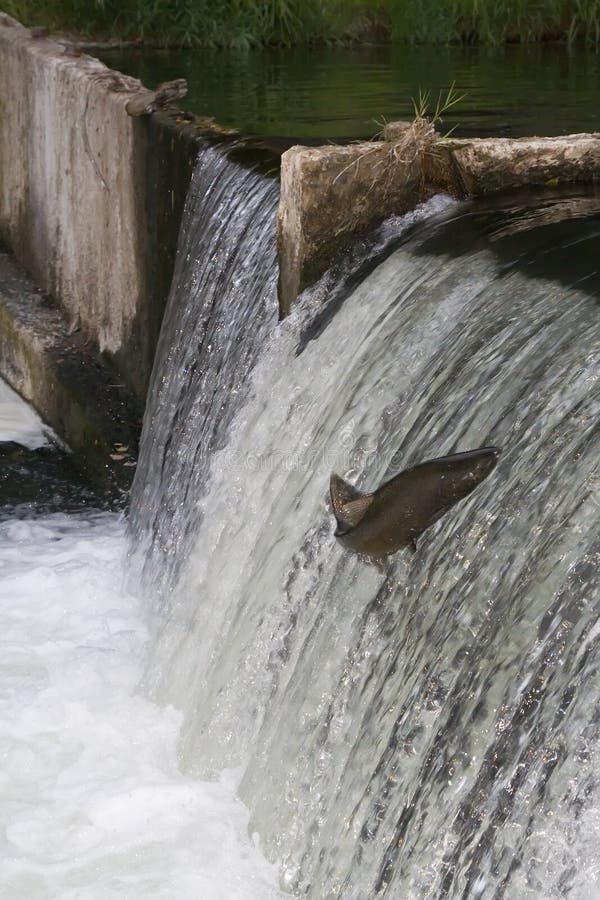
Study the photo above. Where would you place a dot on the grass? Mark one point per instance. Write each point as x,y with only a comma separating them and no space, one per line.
495,21
425,110
211,23
245,23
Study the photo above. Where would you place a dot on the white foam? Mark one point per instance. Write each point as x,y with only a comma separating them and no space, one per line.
92,803
19,422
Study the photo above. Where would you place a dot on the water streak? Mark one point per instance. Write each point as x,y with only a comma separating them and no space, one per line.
222,304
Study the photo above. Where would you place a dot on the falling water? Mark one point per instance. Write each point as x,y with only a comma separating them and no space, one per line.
223,302
431,731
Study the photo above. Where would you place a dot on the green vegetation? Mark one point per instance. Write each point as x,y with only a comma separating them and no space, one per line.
244,23
423,104
495,21
233,23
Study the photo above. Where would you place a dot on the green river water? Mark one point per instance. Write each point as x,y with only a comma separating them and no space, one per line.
338,93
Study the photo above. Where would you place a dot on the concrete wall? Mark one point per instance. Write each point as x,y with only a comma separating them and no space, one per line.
90,198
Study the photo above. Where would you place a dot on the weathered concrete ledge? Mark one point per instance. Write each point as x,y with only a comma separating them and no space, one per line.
481,166
331,195
91,197
81,397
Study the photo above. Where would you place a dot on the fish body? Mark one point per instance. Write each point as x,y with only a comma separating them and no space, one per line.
377,524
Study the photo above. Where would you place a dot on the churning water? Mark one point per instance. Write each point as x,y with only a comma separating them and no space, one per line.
432,731
92,802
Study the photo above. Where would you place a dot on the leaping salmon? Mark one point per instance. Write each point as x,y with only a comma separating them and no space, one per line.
394,516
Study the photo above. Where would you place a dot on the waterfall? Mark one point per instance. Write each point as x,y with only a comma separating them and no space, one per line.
223,302
431,731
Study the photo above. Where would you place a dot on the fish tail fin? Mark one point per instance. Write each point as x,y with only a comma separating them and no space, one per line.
349,504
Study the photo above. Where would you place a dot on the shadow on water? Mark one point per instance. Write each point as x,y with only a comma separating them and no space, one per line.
546,233
542,233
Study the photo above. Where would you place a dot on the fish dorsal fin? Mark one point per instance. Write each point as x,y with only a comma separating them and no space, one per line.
349,505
